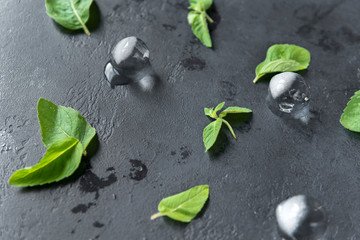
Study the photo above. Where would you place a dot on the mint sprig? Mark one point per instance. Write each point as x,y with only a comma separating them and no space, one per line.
212,130
198,20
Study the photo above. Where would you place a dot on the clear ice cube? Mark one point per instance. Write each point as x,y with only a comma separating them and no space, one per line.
289,95
129,62
301,218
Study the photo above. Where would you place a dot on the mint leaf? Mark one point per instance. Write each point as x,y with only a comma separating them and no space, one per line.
200,4
283,58
211,133
183,206
207,111
58,122
212,130
71,14
219,107
191,16
60,161
234,110
198,20
350,119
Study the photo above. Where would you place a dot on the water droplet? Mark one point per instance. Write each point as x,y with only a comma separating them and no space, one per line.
288,95
301,218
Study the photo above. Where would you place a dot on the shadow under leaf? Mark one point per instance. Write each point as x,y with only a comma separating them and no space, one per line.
215,16
203,210
220,145
352,134
238,119
173,223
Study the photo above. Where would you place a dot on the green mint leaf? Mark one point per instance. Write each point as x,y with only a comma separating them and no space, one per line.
200,29
194,4
191,17
219,107
198,20
207,111
350,119
60,161
71,14
184,206
234,110
206,4
200,5
283,58
58,122
211,133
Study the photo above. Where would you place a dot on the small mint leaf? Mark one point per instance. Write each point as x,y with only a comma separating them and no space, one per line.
183,206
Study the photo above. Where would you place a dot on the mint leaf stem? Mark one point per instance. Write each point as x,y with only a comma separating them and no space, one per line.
209,18
156,215
229,126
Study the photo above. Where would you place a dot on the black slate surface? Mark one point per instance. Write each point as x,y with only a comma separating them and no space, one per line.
112,197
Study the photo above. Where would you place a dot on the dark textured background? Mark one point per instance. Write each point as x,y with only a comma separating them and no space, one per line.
271,160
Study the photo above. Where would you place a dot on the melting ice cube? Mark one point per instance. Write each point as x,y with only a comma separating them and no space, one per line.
301,218
129,62
288,94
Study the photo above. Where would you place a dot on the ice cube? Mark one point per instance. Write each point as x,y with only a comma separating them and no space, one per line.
288,94
301,217
129,62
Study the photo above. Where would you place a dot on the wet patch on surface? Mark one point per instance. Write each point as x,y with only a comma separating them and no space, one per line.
98,224
138,170
90,182
328,39
193,64
82,208
169,27
185,152
228,90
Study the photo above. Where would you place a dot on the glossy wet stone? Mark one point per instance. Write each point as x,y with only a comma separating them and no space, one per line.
248,178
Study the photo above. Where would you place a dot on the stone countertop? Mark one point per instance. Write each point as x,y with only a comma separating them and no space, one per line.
150,143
